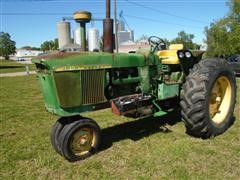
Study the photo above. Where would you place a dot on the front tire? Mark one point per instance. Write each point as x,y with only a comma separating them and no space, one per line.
208,98
79,139
56,129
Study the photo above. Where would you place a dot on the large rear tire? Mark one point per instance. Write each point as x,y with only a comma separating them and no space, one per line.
208,98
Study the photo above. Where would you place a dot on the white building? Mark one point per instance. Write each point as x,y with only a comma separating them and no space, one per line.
130,46
123,34
25,54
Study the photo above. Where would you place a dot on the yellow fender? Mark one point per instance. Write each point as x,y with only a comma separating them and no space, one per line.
170,56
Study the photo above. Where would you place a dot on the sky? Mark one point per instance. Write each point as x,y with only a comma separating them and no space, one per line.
31,22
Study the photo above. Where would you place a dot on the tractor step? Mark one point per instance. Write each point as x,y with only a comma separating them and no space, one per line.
132,104
159,113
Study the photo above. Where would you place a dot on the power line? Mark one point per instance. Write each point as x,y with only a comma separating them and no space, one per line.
34,1
147,1
52,1
69,14
163,22
189,1
166,13
38,14
33,14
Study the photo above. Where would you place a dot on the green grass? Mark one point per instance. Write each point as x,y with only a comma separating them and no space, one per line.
8,66
142,149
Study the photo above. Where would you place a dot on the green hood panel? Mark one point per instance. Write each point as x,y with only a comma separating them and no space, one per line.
81,61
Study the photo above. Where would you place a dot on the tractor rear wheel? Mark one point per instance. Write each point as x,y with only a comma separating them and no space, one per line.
208,98
79,139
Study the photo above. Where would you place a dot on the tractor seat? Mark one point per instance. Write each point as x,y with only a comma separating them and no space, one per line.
170,56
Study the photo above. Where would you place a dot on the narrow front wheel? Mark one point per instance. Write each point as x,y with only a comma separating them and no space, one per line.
79,139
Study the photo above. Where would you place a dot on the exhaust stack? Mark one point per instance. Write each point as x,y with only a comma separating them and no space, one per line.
108,30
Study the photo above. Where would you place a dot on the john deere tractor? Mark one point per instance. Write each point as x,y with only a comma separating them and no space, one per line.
145,83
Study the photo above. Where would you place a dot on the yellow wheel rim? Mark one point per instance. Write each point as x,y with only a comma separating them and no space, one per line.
220,100
82,141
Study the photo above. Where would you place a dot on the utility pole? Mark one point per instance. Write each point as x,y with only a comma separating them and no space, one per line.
116,25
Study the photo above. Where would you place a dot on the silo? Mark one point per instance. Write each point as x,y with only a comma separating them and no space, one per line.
77,36
131,35
93,39
64,36
121,25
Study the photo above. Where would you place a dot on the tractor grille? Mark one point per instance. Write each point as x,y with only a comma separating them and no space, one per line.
92,86
76,88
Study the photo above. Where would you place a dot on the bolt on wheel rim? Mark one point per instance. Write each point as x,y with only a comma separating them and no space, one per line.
220,100
82,141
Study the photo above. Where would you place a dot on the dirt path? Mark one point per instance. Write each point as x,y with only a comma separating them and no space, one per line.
17,74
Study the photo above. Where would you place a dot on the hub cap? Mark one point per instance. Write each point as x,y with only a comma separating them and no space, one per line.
220,100
82,141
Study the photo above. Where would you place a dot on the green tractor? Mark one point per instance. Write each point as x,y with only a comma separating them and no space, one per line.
145,83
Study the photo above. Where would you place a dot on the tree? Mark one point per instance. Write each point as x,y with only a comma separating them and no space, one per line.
7,46
167,42
234,6
35,48
143,37
26,47
50,45
56,43
31,48
222,36
186,40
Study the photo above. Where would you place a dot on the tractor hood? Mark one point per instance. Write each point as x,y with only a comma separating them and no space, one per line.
66,61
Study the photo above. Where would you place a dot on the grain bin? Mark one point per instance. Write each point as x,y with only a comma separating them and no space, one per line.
131,35
77,36
64,36
121,25
93,39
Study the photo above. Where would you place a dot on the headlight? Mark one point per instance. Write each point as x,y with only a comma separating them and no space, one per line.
188,54
181,55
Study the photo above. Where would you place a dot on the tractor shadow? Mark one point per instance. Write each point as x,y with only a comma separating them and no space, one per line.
10,67
136,130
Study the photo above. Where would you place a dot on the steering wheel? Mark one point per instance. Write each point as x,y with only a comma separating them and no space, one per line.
156,43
